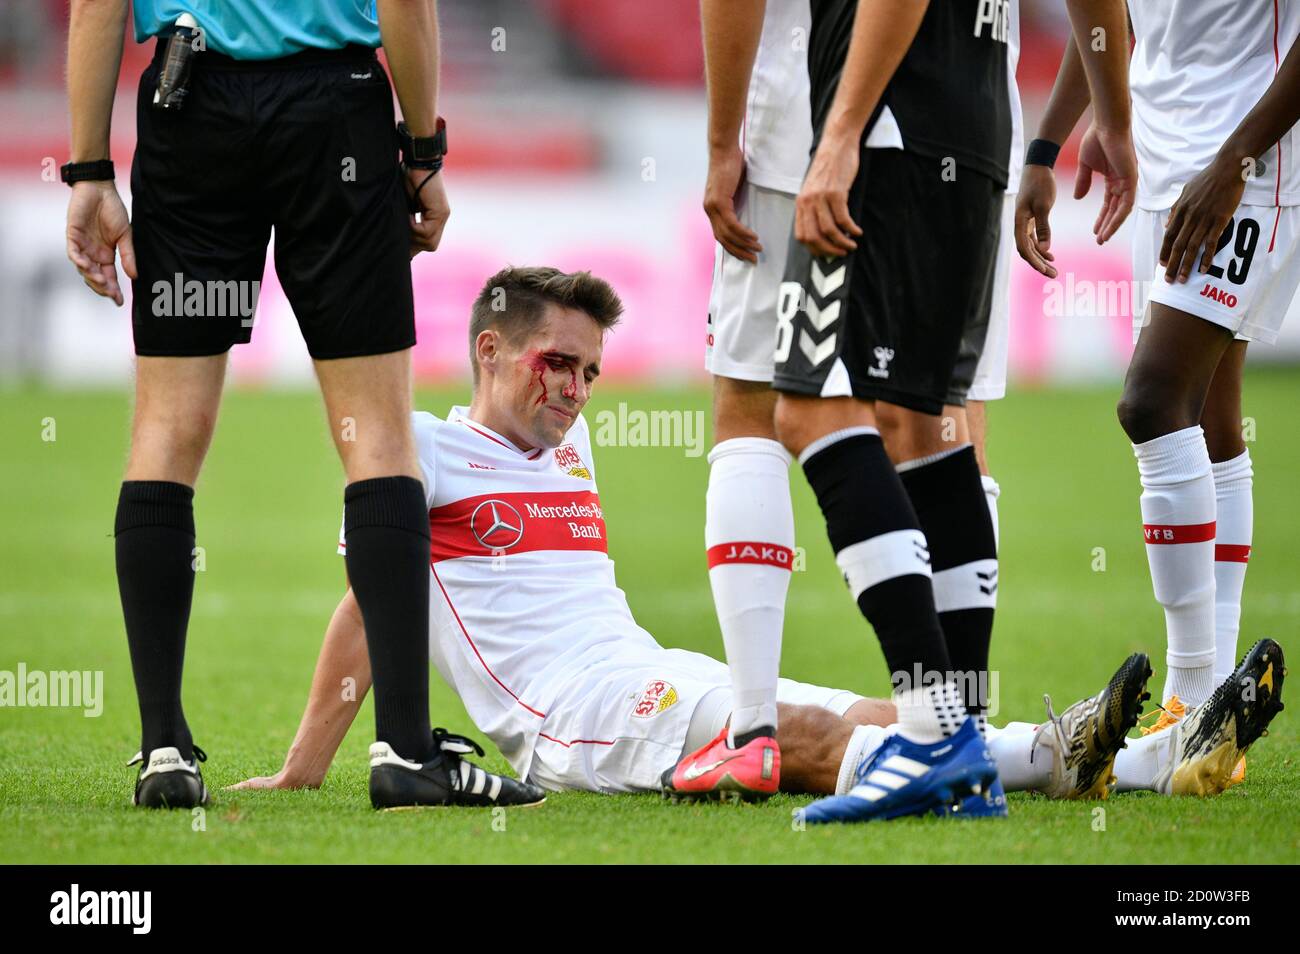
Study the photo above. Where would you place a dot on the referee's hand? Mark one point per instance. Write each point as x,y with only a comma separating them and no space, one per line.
99,228
426,231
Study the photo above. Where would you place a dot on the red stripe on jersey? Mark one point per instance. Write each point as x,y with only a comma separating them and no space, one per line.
1231,553
483,433
470,640
1173,533
768,554
520,522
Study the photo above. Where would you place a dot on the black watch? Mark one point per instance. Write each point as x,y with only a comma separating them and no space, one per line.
96,171
423,152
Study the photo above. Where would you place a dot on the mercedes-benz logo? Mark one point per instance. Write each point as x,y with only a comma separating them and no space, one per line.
496,525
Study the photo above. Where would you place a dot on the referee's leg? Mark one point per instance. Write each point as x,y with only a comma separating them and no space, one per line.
176,401
386,521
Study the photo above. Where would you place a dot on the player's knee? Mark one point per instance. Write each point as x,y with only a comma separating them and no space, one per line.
743,409
386,454
793,429
171,448
1146,412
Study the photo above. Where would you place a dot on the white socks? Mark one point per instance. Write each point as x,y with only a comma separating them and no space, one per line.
1019,767
1137,767
1234,529
862,745
991,493
929,714
749,534
1178,517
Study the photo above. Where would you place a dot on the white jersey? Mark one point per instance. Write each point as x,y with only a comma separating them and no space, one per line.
777,135
1198,67
523,602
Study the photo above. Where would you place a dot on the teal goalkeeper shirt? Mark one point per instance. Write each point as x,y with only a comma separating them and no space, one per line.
266,29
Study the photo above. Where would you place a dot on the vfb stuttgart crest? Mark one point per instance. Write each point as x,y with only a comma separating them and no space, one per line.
569,461
496,525
657,696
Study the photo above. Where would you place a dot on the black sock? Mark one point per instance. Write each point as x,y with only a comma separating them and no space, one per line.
949,499
881,551
386,527
154,543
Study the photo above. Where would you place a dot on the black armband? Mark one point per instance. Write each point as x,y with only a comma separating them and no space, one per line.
1042,152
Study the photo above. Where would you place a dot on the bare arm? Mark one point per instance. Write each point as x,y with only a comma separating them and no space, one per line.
1108,151
408,30
95,32
1101,33
1101,41
1210,199
882,33
1070,97
731,29
98,227
338,687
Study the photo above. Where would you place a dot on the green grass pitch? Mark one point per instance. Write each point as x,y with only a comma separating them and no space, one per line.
268,513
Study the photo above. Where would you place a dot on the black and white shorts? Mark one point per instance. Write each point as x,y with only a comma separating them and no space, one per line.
903,318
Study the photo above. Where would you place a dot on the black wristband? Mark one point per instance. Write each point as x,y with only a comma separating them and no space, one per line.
1042,152
97,171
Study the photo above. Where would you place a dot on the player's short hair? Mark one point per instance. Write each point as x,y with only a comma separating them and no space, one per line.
514,300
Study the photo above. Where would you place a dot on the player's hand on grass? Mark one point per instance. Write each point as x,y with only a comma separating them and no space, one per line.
821,212
1198,218
282,779
726,176
99,229
1033,230
1110,153
433,210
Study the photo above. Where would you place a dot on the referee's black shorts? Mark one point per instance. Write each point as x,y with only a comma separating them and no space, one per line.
305,145
903,318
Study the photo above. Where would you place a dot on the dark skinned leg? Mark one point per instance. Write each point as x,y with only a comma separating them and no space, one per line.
1221,417
1169,377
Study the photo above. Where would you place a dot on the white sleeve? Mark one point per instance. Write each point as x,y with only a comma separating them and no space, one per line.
425,426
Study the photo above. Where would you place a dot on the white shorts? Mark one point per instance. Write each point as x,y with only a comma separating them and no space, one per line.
1250,286
990,381
620,734
741,340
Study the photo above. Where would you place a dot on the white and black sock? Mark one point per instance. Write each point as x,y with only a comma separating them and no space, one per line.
992,491
880,548
948,494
